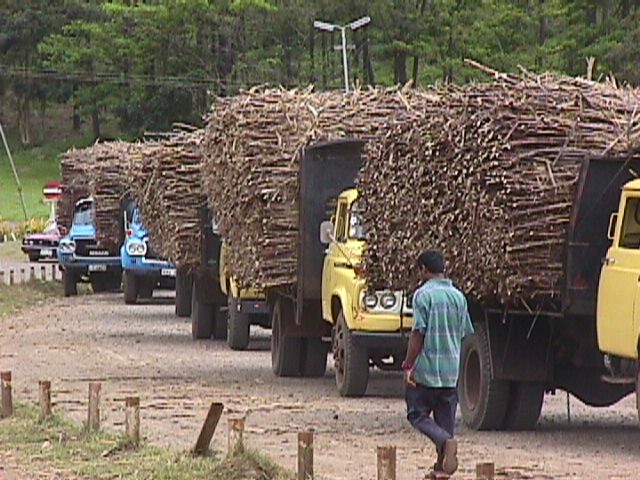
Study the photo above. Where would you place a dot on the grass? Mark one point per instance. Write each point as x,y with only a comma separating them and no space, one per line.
15,298
61,446
11,250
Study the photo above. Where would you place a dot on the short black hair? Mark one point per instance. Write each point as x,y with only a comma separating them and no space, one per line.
432,260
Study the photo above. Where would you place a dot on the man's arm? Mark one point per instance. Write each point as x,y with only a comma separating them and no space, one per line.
416,339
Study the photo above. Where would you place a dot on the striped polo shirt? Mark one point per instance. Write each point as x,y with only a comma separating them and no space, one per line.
440,313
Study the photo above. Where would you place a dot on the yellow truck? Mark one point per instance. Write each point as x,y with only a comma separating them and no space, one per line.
369,327
618,312
245,307
329,306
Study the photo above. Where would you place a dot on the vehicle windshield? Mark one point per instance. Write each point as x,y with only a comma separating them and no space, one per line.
137,216
83,214
357,228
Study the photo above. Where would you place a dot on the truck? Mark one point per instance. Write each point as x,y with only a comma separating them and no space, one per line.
245,307
330,308
143,270
618,315
81,258
516,356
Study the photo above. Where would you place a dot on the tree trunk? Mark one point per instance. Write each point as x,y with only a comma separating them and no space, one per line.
23,120
95,120
400,67
312,51
416,58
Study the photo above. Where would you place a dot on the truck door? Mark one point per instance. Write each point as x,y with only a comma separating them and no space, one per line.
618,309
333,255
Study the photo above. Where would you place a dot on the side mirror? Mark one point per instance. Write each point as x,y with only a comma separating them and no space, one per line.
613,221
326,232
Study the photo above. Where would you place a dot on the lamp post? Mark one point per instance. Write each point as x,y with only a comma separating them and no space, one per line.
330,27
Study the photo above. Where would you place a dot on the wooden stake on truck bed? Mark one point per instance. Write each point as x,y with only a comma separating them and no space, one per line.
5,393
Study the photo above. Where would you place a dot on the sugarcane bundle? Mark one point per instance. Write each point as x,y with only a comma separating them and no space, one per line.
491,182
74,164
253,143
167,184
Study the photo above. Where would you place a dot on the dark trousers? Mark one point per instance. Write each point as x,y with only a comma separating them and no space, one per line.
442,402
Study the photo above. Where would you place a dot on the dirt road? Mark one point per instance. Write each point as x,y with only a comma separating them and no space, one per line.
144,350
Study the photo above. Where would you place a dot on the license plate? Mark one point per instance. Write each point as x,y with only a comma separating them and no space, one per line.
98,253
46,252
97,268
168,272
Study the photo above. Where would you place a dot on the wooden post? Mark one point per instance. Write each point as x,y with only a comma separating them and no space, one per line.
43,273
11,277
208,429
305,455
32,273
485,471
235,440
23,276
93,421
53,272
386,463
3,277
5,393
45,398
132,420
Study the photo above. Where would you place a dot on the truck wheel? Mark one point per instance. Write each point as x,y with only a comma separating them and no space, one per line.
69,283
285,350
146,288
483,399
114,281
351,362
314,357
98,283
219,320
202,319
638,391
238,327
525,405
183,293
131,288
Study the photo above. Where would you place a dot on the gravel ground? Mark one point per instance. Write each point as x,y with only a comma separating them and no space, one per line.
144,350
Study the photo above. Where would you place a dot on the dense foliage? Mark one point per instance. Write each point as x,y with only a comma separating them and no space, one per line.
151,63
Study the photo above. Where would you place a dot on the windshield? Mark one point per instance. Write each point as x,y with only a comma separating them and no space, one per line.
83,214
357,229
137,217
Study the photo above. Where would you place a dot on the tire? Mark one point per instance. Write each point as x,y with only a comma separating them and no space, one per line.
98,283
114,281
638,390
238,327
525,405
483,399
351,362
285,350
69,283
202,319
183,294
220,329
314,357
131,288
146,288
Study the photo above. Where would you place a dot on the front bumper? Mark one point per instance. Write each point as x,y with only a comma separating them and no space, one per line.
391,341
249,306
43,251
148,267
76,262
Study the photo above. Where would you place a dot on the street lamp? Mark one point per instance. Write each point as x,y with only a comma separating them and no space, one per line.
329,27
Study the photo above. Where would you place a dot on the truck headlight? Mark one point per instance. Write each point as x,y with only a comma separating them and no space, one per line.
137,248
388,300
67,246
370,301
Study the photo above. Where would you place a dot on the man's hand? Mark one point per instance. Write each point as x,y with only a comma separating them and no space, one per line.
410,377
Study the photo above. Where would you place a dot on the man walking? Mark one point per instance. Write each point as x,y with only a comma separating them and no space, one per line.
441,321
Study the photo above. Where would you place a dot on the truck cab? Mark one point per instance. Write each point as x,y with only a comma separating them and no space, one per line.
618,307
82,259
369,327
143,271
245,306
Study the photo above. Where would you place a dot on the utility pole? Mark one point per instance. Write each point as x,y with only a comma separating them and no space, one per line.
15,173
330,27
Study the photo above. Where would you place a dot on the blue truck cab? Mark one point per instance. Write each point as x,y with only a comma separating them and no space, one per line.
143,270
82,259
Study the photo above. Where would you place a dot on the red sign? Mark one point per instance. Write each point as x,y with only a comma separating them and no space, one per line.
52,190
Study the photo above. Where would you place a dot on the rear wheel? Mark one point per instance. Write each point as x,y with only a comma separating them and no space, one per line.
238,327
525,405
285,350
202,318
183,293
220,328
69,283
99,283
131,288
351,362
146,288
483,399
